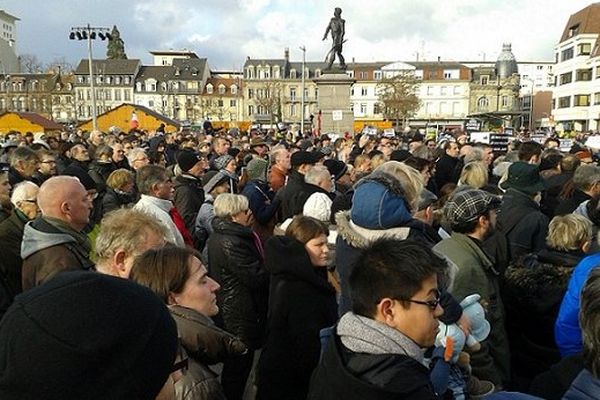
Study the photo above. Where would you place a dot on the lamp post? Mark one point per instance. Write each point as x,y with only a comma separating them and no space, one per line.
90,33
302,101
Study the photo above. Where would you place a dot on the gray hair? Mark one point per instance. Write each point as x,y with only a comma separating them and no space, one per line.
22,191
275,153
134,154
316,174
24,154
585,176
476,154
227,205
148,176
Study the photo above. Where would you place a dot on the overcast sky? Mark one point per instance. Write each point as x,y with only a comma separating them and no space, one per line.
228,31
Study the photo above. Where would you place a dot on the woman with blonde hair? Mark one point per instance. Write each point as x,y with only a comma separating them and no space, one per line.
474,174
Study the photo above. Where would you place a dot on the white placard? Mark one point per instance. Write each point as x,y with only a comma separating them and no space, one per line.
337,115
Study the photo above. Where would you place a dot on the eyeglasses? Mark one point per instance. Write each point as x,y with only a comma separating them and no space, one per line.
432,304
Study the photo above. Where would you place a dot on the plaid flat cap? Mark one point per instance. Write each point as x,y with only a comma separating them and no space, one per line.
468,205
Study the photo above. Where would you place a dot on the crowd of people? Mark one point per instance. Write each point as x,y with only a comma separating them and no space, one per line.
269,265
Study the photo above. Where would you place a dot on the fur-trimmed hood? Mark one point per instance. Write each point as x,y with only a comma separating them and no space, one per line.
379,202
361,238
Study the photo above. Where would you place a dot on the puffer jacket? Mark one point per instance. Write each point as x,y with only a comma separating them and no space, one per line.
236,263
113,200
585,387
205,344
301,303
533,290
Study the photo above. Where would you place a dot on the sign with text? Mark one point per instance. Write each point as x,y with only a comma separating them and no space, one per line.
473,125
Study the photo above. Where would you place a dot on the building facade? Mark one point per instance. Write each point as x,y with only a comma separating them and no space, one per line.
576,95
9,62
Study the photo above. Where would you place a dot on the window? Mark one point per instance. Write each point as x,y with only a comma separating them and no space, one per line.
566,78
583,75
566,54
376,108
250,110
293,109
573,30
457,90
305,93
596,98
220,103
127,80
484,79
107,94
539,67
80,79
276,73
209,88
250,73
363,90
88,94
582,100
138,86
598,72
117,80
233,89
483,104
584,49
250,93
456,108
292,74
233,103
150,103
293,94
443,108
317,73
429,90
118,94
505,101
363,108
108,80
127,95
377,75
564,102
221,89
443,90
363,75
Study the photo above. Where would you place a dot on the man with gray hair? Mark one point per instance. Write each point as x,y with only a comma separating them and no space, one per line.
280,167
23,164
137,158
125,234
586,185
157,192
24,200
54,242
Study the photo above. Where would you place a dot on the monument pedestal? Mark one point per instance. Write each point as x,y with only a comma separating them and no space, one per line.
334,101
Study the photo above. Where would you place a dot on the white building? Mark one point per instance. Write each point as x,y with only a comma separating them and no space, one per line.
576,96
9,61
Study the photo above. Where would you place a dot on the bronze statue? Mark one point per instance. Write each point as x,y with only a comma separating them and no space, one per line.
337,28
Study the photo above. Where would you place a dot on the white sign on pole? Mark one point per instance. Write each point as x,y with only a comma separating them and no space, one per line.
337,115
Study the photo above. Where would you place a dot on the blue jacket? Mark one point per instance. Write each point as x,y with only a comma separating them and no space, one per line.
585,387
566,329
261,200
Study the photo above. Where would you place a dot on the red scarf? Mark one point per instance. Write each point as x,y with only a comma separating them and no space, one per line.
180,224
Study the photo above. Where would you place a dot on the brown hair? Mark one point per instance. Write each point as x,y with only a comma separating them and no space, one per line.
305,229
164,270
120,178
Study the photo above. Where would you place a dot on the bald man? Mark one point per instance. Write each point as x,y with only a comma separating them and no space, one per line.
54,242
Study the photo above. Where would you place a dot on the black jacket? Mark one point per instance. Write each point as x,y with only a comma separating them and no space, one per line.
113,201
445,171
99,172
523,224
567,206
301,303
534,287
235,262
554,185
343,374
11,236
189,196
552,384
294,195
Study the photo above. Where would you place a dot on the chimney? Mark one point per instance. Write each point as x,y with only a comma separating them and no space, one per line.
286,54
439,59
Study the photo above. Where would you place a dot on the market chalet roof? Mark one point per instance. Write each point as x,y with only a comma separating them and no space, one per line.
109,67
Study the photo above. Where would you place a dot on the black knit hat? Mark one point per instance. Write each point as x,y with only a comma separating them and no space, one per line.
336,168
85,335
187,159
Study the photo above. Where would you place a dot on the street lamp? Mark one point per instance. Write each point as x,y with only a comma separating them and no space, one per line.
89,33
302,102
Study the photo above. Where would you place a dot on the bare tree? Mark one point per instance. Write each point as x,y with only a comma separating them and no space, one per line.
30,64
397,96
61,63
268,96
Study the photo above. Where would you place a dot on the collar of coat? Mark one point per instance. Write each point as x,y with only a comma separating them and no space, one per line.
361,238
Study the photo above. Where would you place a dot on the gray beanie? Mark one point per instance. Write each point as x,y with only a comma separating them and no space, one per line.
215,181
222,161
257,169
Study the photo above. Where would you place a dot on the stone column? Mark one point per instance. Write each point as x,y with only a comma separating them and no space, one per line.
334,102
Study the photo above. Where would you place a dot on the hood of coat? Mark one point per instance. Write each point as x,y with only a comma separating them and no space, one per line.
542,271
379,202
39,235
361,238
297,264
202,339
187,180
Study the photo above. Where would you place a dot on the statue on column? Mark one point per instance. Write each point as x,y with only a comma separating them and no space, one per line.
337,28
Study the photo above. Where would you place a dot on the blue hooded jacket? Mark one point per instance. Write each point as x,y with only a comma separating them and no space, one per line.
567,332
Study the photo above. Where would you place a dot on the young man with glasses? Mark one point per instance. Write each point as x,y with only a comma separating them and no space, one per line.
472,216
377,349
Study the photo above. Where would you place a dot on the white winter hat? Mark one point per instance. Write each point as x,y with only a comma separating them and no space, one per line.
318,206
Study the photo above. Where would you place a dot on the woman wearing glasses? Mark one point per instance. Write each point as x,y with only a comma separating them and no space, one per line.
180,279
301,303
